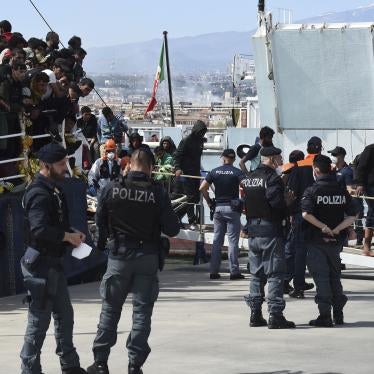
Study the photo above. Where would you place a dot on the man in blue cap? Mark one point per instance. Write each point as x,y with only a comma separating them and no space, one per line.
49,234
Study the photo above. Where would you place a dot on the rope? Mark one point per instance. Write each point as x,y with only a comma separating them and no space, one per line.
182,175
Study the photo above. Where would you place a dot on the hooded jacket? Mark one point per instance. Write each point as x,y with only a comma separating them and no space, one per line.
173,148
188,155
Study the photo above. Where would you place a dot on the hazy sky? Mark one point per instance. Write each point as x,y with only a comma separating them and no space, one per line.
110,22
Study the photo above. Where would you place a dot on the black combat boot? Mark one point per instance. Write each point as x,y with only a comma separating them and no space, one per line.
287,288
135,369
75,370
278,321
308,286
257,319
98,368
338,317
322,321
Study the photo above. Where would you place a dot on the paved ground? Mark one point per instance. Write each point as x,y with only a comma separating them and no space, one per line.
201,326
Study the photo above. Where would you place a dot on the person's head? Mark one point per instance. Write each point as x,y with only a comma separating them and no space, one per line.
296,156
74,93
142,160
159,152
338,155
17,41
60,67
272,157
34,43
52,159
39,83
75,42
86,113
154,138
52,39
266,136
107,113
18,71
199,129
314,146
228,156
321,166
135,140
18,55
110,149
5,26
86,85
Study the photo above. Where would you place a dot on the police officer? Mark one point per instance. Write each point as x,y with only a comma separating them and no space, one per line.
266,209
228,209
133,212
49,234
329,210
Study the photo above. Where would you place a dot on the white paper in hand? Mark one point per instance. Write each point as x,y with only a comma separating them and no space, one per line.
82,251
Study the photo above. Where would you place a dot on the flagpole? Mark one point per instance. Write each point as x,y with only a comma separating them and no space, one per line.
169,78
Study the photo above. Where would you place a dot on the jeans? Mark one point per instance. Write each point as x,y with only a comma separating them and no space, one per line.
225,220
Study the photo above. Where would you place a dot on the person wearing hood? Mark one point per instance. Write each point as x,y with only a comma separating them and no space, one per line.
168,145
136,142
104,169
187,160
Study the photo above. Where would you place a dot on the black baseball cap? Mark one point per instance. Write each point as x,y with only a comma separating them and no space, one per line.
270,151
52,153
338,151
228,152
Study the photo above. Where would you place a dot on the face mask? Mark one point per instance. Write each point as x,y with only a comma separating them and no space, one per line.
111,156
334,159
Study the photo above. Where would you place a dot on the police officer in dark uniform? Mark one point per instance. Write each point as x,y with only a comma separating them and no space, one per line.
133,212
228,209
49,235
329,210
266,210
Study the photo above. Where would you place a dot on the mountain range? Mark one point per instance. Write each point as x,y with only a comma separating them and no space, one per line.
194,54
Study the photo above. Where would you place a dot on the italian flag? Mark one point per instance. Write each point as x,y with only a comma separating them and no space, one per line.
160,76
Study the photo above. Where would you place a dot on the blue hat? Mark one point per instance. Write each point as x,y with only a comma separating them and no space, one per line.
51,153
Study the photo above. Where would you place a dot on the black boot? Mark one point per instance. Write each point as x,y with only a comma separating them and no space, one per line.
98,368
338,317
322,321
134,369
308,286
278,321
287,288
257,319
75,370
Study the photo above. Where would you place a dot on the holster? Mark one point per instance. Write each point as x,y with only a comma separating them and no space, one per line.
30,259
163,252
212,209
37,289
237,205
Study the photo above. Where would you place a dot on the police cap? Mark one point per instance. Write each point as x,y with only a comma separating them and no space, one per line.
338,151
270,151
228,152
51,153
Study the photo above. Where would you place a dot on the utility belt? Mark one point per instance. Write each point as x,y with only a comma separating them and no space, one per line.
235,204
121,243
260,228
35,258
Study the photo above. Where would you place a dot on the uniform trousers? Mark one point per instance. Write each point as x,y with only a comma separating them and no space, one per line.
225,220
266,264
48,298
139,277
324,265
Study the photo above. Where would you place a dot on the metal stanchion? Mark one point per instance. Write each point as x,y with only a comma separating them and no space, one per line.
200,254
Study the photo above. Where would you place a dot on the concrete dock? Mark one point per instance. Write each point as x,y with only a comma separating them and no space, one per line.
201,326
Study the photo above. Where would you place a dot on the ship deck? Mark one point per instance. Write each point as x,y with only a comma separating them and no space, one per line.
201,326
